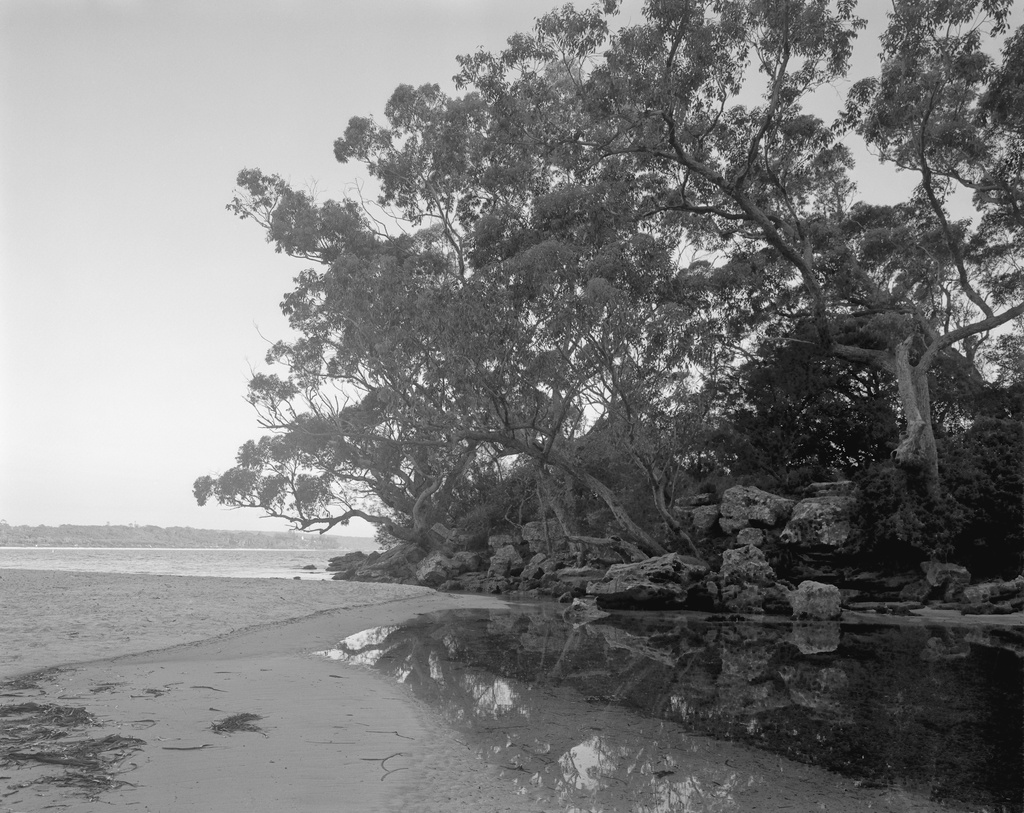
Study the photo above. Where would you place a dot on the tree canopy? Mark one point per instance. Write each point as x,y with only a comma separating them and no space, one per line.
622,242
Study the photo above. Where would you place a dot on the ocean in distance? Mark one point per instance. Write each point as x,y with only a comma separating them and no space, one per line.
249,563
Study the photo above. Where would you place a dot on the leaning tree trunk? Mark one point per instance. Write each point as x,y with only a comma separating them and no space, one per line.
916,453
642,539
675,527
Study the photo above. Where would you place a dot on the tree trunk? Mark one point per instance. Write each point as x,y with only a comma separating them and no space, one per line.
673,524
638,534
916,453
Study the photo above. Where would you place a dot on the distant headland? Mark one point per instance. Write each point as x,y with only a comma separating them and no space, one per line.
152,536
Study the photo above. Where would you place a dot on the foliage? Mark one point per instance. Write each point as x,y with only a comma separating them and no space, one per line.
983,470
979,522
798,414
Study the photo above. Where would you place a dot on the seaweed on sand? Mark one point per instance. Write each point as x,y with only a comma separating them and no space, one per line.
238,722
38,733
15,686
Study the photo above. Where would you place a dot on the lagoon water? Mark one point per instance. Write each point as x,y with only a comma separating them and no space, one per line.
251,563
690,712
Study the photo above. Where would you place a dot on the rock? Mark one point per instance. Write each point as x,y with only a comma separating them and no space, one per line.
435,570
817,600
994,591
746,565
755,506
534,568
776,600
545,537
918,591
987,608
950,578
309,567
731,525
750,536
465,561
347,562
819,522
504,561
747,599
661,582
500,541
397,564
578,577
703,518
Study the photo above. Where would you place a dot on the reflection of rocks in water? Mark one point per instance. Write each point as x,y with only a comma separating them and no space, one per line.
811,638
620,704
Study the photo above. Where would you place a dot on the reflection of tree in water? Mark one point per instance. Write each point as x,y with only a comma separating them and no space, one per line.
915,707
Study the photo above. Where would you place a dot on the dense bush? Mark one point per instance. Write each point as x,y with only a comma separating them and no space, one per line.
983,468
978,521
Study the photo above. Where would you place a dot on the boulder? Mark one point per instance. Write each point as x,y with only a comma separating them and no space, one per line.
500,541
994,591
505,561
661,582
750,536
754,507
816,600
948,578
544,536
397,564
465,561
732,525
344,566
534,568
746,566
919,591
435,570
703,518
819,522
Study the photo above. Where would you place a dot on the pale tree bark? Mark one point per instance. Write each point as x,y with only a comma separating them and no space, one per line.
916,451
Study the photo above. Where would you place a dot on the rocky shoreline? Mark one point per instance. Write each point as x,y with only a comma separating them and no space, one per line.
766,555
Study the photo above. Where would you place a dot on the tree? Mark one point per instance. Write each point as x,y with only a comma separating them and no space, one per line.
413,361
769,184
579,253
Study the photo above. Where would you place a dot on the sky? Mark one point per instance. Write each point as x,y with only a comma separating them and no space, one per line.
133,306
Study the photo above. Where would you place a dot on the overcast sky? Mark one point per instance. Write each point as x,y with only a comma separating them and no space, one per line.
132,305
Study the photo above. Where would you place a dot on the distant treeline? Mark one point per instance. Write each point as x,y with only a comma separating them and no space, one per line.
151,536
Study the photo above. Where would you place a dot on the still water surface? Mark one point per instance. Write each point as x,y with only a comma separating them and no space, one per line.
688,712
251,563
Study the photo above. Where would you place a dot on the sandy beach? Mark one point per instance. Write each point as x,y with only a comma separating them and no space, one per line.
161,659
